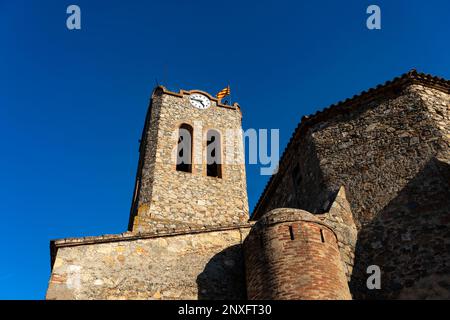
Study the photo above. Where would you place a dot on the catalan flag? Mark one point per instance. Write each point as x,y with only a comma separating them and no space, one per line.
224,92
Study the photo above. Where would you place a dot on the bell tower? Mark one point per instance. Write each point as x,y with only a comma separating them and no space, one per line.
191,171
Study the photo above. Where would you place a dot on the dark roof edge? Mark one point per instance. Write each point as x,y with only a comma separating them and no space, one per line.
411,77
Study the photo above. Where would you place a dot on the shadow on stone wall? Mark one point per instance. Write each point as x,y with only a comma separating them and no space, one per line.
409,240
223,277
302,184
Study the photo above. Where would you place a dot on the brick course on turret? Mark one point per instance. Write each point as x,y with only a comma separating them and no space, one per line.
292,254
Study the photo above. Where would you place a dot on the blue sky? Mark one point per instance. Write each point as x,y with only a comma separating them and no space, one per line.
72,103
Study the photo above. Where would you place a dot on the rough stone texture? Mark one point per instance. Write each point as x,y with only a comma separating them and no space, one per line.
372,172
433,287
389,148
185,229
166,198
292,254
205,265
340,219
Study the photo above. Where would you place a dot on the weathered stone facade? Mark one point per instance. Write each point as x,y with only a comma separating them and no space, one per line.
364,182
389,148
165,197
186,228
175,265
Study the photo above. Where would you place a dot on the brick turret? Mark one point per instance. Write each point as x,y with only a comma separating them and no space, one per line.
292,254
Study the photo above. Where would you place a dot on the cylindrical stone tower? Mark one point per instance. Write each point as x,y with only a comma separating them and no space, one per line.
292,254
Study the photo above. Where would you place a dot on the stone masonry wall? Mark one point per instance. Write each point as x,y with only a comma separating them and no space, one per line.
391,153
376,149
385,157
166,198
437,104
206,265
340,219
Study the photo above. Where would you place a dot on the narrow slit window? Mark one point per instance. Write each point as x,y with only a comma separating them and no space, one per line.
184,152
291,232
213,154
321,236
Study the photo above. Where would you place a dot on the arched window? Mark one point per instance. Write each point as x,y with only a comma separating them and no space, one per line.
184,152
213,154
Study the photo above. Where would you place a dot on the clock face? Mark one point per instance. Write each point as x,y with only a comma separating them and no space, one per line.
199,101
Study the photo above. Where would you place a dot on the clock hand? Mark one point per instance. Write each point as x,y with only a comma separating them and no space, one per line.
199,101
